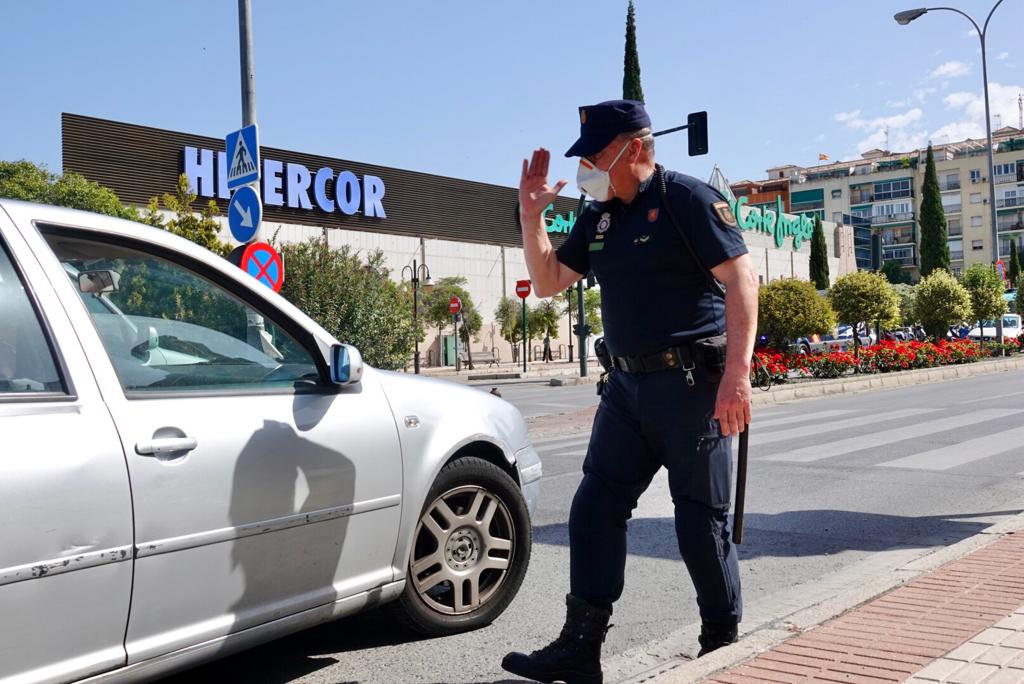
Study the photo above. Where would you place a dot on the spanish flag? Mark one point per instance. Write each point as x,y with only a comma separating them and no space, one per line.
822,156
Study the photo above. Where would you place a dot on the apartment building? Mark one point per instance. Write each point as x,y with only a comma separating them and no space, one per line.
879,195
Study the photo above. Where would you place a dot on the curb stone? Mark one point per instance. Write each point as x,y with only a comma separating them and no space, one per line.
682,670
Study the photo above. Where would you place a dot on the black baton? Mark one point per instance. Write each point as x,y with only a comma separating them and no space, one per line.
741,487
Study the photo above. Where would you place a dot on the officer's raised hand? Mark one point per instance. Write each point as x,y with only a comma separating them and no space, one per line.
534,192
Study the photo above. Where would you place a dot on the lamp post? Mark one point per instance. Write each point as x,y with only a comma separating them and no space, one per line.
907,16
415,272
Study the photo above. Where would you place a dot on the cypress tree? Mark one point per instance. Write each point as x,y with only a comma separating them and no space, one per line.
934,248
819,256
1014,269
631,88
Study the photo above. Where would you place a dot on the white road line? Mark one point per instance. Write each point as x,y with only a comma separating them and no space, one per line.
990,399
955,455
884,437
805,417
759,438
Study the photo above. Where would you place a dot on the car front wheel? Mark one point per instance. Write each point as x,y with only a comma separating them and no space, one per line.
471,549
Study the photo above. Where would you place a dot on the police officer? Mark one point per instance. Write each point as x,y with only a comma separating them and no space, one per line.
675,393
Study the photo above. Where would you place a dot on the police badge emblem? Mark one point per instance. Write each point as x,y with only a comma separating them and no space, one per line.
605,223
725,213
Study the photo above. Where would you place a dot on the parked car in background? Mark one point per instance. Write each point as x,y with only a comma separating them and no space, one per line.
192,466
840,339
985,331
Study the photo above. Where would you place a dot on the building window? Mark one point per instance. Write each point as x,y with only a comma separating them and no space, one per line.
975,198
837,193
892,189
975,175
976,222
957,271
954,227
951,181
976,245
1005,169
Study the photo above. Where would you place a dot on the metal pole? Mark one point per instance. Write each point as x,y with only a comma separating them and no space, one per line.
524,334
568,308
245,55
415,317
455,322
991,167
581,314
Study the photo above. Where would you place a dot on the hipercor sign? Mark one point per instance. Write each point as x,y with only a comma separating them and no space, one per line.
288,184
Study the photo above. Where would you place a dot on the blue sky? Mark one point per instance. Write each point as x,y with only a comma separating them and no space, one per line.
467,89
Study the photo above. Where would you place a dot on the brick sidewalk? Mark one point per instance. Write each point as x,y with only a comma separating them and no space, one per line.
962,623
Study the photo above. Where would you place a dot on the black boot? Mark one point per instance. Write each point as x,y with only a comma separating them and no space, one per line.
713,637
575,656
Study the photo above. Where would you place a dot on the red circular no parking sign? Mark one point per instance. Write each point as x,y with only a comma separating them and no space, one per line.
263,263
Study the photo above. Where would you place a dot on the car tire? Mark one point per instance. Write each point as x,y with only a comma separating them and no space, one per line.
473,522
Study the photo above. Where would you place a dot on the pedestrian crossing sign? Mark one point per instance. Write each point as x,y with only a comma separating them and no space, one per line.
243,154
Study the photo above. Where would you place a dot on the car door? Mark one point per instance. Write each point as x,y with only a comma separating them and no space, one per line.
65,505
260,489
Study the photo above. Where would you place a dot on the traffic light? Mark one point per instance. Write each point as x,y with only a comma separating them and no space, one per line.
697,129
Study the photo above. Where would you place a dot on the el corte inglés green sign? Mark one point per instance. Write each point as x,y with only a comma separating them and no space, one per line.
777,223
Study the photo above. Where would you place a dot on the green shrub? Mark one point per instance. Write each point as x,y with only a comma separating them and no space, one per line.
939,302
354,301
789,308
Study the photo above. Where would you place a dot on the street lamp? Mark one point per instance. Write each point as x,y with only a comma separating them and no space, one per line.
415,272
907,16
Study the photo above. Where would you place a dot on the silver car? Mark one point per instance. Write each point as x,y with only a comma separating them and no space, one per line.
192,466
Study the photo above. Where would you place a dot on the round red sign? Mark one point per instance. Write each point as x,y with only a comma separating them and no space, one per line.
523,288
454,305
263,263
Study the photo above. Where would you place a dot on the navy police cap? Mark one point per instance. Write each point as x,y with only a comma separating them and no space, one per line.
600,123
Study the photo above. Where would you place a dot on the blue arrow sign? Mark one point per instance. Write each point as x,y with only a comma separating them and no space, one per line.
243,150
245,211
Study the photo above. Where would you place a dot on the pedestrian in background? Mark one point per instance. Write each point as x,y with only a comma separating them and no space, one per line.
674,395
547,347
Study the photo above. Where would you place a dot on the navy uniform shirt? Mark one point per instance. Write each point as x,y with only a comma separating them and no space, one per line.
653,295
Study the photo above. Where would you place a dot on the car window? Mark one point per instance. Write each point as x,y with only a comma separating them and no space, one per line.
167,328
26,361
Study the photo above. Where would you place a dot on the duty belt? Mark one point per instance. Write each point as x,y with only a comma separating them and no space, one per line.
680,357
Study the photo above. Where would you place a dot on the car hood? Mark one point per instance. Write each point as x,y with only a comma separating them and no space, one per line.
439,402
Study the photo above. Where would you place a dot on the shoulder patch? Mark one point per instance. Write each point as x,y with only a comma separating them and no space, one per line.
725,213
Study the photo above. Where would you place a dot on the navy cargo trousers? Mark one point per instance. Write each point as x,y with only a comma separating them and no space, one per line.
644,422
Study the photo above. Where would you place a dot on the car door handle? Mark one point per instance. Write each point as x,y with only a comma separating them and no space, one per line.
167,445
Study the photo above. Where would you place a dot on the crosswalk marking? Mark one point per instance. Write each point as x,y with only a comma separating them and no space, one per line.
990,399
955,455
760,438
878,439
803,417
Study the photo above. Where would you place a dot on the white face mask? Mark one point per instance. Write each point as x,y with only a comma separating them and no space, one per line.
595,182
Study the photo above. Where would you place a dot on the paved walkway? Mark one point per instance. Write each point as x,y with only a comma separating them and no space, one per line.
962,623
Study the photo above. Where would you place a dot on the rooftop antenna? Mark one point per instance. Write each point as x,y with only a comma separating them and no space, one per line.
1020,110
999,121
886,138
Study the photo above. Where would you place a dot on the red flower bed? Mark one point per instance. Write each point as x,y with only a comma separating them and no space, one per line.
884,357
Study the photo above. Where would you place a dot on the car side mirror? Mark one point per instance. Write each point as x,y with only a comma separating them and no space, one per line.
346,365
98,282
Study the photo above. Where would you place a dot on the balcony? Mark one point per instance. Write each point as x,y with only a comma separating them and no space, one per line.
1006,178
956,256
895,194
903,255
946,186
952,208
1009,202
882,219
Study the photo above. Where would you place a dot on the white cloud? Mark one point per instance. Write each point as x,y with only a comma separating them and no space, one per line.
921,94
844,117
897,104
950,70
1003,56
821,136
970,111
971,33
902,130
